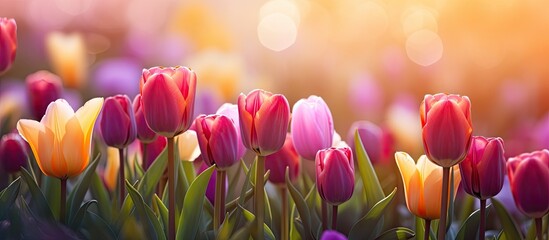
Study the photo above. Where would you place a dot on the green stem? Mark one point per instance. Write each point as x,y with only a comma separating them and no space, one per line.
144,155
334,217
427,229
223,195
539,232
121,176
284,231
63,201
444,203
324,215
482,227
259,196
171,190
217,201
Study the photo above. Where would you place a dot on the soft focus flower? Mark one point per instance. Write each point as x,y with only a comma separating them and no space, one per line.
447,128
278,161
168,96
264,119
8,43
153,150
423,185
332,235
13,153
372,138
529,177
117,122
335,174
67,54
210,189
187,144
404,122
116,76
217,140
61,140
483,170
312,126
231,111
43,88
144,133
110,174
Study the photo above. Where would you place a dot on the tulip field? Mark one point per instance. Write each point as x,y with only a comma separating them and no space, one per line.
163,138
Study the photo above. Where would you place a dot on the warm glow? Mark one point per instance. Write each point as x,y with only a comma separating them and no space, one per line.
277,31
424,47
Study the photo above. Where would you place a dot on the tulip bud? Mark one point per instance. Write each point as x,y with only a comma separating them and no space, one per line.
278,161
483,170
187,144
217,140
43,88
447,128
144,133
332,235
264,119
335,174
231,111
168,99
13,153
529,178
118,122
154,149
8,43
312,126
372,138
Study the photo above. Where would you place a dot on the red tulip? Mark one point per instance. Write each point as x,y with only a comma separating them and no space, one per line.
278,161
264,119
483,170
335,174
529,178
13,153
218,140
144,133
168,99
8,43
447,128
43,88
117,122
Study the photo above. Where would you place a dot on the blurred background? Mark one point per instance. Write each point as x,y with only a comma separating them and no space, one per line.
369,60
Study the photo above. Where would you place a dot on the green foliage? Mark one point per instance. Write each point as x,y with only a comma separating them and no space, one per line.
371,225
372,187
510,229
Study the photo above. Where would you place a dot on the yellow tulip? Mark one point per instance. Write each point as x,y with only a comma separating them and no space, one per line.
61,141
423,185
110,174
188,146
67,54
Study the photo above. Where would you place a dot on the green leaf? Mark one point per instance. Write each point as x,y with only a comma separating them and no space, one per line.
372,187
301,206
531,234
243,232
97,227
152,225
191,214
77,195
8,196
101,194
469,229
162,212
370,225
52,192
150,179
79,217
399,233
38,204
509,227
268,234
227,226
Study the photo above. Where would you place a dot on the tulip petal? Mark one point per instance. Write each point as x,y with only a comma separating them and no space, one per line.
163,105
271,123
188,145
246,122
57,115
75,150
223,142
87,115
40,140
531,198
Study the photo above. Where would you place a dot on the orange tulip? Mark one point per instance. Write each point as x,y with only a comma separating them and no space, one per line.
61,141
68,57
423,185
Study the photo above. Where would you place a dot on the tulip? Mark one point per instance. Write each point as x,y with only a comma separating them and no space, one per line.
277,163
372,138
231,111
110,174
332,235
187,144
8,43
13,153
43,88
167,95
210,189
217,140
67,54
152,150
61,141
144,133
117,122
312,126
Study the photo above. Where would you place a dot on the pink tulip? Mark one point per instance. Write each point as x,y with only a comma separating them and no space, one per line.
264,119
372,138
447,128
8,43
312,126
117,121
217,140
154,149
43,88
278,161
483,170
13,153
144,133
168,99
529,178
231,111
335,174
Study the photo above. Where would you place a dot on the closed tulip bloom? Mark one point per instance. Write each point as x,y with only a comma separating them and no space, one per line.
483,170
43,88
332,235
372,138
8,43
67,54
217,140
168,97
118,122
529,178
264,119
335,174
154,149
187,144
447,128
110,173
13,153
423,185
61,141
278,161
231,111
312,126
144,133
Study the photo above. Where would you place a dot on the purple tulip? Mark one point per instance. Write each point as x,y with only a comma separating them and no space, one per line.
278,161
332,235
13,153
43,88
210,189
218,140
335,174
118,122
372,138
144,133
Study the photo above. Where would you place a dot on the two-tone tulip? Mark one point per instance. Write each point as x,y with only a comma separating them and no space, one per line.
217,140
312,126
168,99
117,122
8,43
264,119
61,141
286,157
483,170
43,87
423,185
144,132
13,153
231,111
335,174
529,178
447,128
